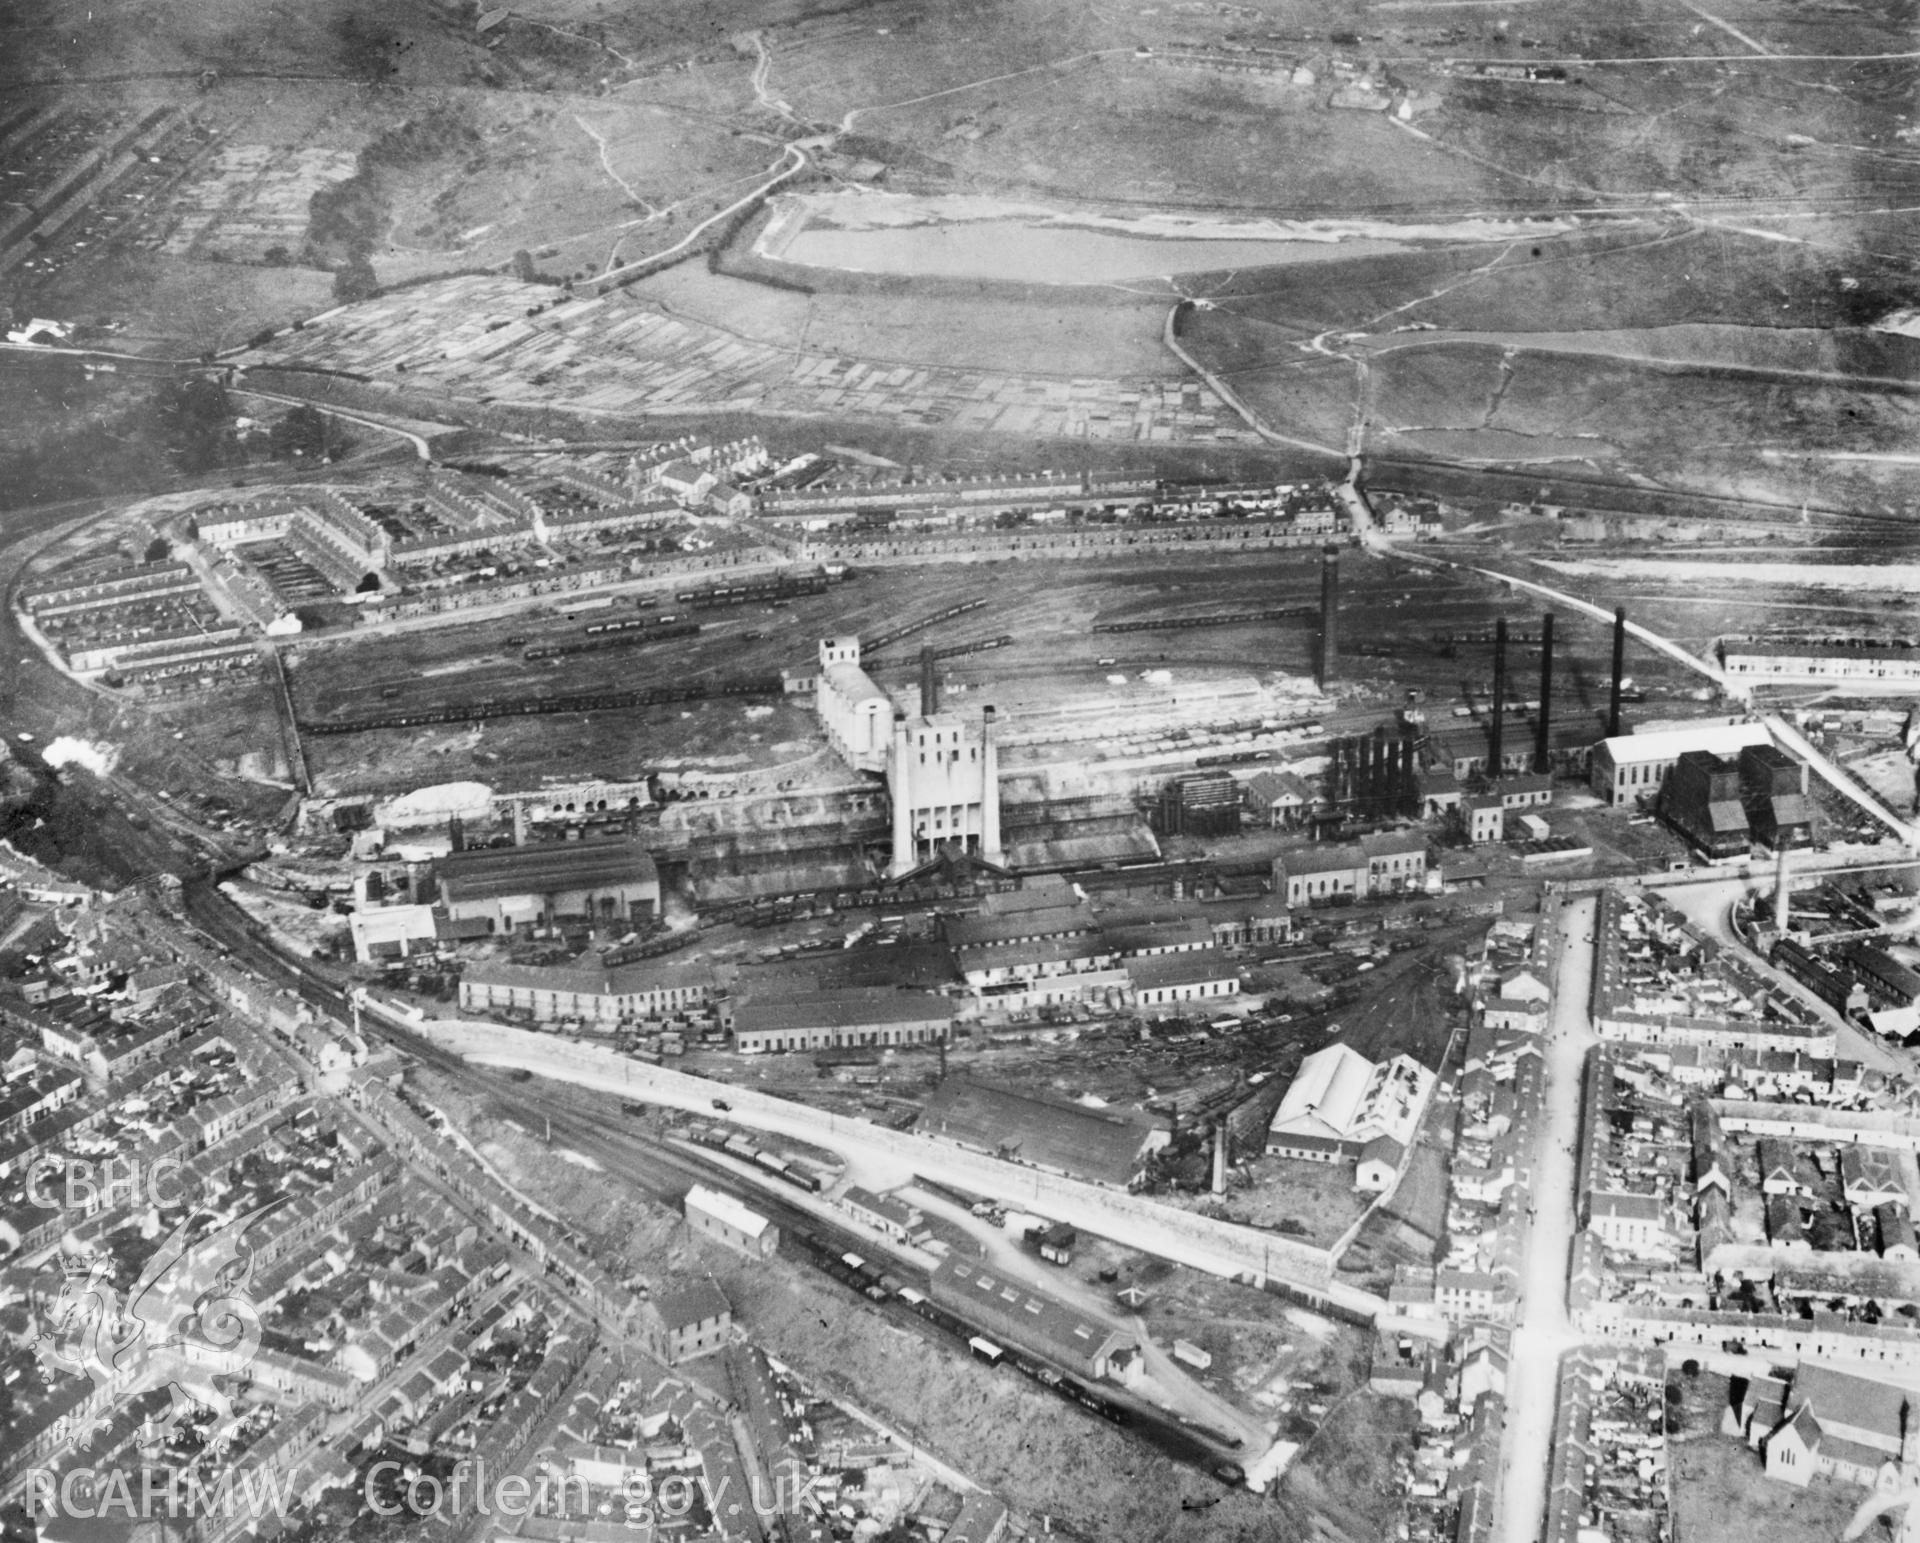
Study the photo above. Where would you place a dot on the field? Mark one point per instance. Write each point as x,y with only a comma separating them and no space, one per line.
1714,188
979,326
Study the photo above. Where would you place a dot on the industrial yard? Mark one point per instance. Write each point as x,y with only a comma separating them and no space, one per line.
911,774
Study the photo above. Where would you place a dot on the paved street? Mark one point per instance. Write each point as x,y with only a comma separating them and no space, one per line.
1544,1333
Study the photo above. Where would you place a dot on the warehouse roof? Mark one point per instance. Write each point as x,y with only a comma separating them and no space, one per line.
1134,937
1326,1091
1047,1324
1095,1144
1045,922
542,869
1393,843
1040,951
1271,789
1189,967
1328,857
718,1204
1671,744
590,980
851,1007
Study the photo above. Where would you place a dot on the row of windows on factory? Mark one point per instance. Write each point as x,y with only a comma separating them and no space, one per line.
973,753
841,1038
956,815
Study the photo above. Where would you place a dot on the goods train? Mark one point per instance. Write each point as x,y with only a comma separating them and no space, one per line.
871,1281
537,705
874,645
758,591
629,634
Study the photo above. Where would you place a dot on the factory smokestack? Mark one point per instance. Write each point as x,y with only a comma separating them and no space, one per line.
1329,660
1781,884
1619,669
1496,750
929,683
1219,1157
1542,729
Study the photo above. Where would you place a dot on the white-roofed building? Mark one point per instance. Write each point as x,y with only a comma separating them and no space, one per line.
715,1214
1631,766
856,714
1343,1108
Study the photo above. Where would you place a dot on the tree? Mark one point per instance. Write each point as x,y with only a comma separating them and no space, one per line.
158,550
195,421
301,432
354,280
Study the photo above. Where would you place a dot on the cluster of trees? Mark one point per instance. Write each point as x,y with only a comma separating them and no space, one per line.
345,219
115,435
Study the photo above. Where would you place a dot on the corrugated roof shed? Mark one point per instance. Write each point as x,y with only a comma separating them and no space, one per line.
544,868
1095,1144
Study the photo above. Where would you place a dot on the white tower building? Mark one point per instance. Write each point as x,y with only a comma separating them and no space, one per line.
855,712
943,777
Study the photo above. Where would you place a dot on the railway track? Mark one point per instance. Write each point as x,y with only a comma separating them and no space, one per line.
663,1172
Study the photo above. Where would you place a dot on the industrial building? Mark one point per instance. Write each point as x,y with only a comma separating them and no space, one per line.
1033,1320
1019,976
855,713
1773,787
1181,976
943,779
1103,1146
718,1216
1278,798
649,990
1483,817
1721,805
854,1016
1630,767
1396,861
394,931
596,881
942,769
1383,862
1200,804
1700,801
1315,874
887,1214
1341,1107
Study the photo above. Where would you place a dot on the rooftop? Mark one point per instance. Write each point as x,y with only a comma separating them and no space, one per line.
719,1204
1671,744
852,1007
1098,1144
1053,1325
1327,857
544,868
1189,967
682,1307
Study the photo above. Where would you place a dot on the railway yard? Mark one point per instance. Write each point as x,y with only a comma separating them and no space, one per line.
1025,771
